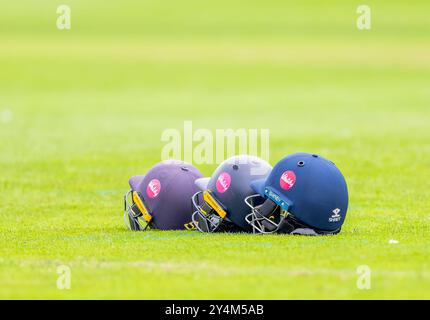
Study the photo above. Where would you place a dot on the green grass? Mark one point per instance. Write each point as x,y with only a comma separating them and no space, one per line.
89,106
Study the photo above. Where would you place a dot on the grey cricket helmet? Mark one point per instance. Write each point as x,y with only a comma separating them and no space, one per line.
220,203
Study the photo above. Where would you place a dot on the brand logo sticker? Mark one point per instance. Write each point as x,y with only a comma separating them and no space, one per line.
223,182
153,189
288,179
335,217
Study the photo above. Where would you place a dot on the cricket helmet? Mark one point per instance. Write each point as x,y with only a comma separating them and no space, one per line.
309,193
161,199
220,202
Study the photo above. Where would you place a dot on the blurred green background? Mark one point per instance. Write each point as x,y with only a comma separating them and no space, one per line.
81,110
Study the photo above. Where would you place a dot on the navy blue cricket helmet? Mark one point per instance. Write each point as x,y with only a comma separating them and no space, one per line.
220,204
161,199
305,194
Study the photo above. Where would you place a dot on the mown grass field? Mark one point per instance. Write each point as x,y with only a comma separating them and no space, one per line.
84,109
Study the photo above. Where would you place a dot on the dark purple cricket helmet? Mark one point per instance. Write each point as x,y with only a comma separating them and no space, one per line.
161,199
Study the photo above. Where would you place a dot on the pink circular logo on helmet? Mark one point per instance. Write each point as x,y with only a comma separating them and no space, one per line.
288,179
223,182
153,189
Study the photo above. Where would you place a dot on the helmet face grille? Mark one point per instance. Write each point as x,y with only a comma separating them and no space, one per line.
264,217
206,218
133,217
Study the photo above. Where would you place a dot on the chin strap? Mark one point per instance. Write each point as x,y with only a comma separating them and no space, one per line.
304,230
229,227
285,227
268,217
